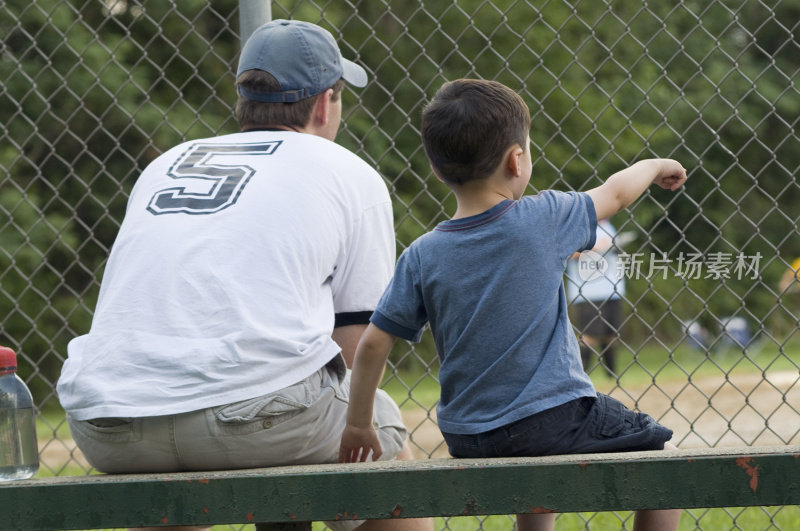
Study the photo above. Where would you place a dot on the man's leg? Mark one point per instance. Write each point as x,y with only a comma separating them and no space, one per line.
666,520
400,524
536,522
170,528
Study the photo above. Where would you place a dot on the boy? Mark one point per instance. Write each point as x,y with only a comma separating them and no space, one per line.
490,283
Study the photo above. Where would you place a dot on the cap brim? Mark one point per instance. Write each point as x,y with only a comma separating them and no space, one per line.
353,74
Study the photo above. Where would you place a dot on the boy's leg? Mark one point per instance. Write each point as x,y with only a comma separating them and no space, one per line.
536,522
663,520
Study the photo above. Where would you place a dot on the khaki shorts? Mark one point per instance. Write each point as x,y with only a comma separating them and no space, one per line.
301,424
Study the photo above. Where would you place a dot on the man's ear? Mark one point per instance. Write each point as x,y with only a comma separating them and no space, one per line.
513,161
320,114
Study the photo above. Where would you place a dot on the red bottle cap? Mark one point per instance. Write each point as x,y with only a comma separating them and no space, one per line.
8,359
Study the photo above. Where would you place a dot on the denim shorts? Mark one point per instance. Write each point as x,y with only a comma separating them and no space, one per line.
585,425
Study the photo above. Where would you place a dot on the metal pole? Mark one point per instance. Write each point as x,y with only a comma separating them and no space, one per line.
252,14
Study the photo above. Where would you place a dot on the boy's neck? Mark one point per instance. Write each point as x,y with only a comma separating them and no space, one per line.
472,200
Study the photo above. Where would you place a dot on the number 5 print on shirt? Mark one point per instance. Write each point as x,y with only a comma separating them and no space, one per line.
207,184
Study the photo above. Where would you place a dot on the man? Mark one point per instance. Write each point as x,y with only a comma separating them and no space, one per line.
243,274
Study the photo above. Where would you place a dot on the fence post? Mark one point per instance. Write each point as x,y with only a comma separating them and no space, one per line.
252,14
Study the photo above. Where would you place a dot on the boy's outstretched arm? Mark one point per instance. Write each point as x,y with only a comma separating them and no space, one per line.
625,186
359,436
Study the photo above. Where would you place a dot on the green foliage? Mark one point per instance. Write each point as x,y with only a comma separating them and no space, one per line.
91,95
88,100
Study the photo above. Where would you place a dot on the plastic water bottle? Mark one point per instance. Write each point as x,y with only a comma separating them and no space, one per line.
19,452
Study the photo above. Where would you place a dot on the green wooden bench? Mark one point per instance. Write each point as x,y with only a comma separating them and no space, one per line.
294,496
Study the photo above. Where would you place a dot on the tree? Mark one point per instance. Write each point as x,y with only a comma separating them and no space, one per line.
93,91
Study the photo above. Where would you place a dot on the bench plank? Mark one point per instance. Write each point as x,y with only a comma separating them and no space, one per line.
734,477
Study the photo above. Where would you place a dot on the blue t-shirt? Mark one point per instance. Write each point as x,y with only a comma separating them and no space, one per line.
491,287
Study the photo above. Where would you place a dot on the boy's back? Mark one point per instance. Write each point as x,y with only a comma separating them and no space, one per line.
491,287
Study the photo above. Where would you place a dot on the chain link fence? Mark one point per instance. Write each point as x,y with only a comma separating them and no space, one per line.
91,91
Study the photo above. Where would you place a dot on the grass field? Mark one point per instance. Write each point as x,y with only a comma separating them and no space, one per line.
652,362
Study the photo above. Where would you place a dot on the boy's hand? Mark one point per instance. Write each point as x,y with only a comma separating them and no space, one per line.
357,444
625,186
671,176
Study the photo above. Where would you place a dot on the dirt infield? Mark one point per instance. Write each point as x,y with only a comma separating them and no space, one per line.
735,410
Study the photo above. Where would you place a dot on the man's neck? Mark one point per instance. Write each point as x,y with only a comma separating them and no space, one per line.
248,128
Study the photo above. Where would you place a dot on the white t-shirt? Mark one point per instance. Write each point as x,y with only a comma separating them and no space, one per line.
596,275
234,256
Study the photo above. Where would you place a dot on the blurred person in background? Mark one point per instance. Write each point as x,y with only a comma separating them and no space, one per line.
595,287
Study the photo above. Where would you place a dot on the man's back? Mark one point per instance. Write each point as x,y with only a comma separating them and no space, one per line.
258,238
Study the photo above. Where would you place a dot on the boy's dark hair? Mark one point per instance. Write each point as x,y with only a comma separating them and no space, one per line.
469,125
251,113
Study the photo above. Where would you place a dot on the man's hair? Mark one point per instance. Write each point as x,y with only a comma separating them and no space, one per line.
469,125
251,113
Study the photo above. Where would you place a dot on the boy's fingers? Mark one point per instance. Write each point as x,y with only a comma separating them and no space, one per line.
679,180
358,452
355,455
673,182
344,455
349,455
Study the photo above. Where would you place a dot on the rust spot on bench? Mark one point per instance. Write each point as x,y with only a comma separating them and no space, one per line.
752,471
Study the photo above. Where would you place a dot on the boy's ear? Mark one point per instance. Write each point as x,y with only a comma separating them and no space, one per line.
514,160
436,174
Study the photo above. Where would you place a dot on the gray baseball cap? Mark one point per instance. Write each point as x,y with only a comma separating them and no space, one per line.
303,57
